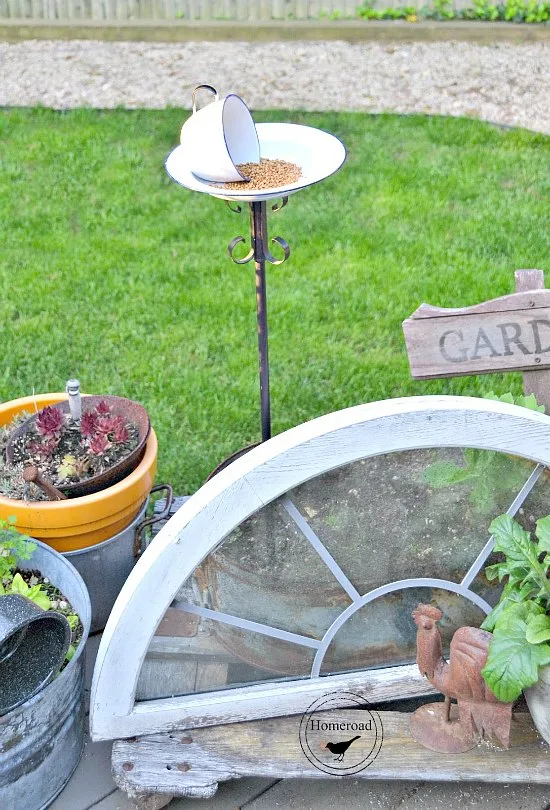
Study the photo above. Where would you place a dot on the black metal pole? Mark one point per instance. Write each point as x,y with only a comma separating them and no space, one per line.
259,251
258,234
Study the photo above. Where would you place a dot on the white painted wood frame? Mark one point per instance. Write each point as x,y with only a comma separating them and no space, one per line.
243,488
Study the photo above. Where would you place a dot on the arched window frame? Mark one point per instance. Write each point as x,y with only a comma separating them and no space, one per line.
251,482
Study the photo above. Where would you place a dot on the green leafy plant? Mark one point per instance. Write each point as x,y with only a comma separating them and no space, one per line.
36,593
443,9
485,471
13,546
521,400
524,11
368,12
519,622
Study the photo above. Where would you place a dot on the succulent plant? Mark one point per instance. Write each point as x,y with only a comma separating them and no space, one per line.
67,451
106,424
101,429
120,433
44,448
88,423
49,422
72,467
99,444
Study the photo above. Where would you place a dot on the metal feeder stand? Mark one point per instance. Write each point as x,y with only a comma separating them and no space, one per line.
318,154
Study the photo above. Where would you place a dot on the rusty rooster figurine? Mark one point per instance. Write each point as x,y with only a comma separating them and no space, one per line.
439,726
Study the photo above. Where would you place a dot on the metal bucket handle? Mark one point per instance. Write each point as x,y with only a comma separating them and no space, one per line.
154,518
203,87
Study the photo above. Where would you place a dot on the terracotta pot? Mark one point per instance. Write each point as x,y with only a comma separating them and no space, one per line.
538,700
80,522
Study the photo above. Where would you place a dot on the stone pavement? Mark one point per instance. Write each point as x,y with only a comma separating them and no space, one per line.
92,788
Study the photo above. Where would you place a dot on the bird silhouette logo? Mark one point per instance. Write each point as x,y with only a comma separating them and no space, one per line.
340,748
340,733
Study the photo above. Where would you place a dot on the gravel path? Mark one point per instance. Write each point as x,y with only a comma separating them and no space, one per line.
504,83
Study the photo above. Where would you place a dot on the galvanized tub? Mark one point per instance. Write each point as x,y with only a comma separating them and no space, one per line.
105,568
41,741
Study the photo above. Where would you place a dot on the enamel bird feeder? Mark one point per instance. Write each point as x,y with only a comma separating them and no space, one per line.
215,141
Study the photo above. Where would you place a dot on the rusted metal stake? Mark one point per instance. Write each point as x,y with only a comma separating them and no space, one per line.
32,476
259,251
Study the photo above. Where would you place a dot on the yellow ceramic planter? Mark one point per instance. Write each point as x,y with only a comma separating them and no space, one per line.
80,522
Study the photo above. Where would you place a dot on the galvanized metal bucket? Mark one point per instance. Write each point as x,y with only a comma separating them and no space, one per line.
41,741
106,566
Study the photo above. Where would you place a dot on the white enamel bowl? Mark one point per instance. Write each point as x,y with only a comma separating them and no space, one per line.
318,154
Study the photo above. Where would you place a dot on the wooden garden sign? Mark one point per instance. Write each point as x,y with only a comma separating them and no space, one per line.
511,333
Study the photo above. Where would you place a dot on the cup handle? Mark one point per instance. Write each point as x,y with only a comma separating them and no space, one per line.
203,87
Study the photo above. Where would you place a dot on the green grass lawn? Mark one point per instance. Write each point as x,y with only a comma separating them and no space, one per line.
111,272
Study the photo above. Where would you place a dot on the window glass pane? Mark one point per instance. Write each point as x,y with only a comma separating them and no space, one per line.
190,655
421,513
298,563
267,571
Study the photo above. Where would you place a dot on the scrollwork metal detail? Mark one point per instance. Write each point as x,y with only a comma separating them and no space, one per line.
235,207
231,247
259,243
279,206
286,250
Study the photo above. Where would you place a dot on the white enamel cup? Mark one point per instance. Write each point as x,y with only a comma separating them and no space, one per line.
218,137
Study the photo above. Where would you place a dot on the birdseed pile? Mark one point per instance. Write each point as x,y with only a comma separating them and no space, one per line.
267,173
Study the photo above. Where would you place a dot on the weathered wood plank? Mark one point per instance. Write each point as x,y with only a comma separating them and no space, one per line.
151,801
247,10
478,343
240,704
534,382
526,299
510,333
241,10
529,280
98,9
176,763
265,9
